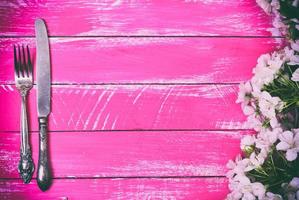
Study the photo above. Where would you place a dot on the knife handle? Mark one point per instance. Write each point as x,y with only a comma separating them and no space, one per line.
43,170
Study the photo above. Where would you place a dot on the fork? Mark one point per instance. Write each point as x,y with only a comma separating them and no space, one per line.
24,82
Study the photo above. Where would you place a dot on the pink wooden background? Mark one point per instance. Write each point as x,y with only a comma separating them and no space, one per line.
143,95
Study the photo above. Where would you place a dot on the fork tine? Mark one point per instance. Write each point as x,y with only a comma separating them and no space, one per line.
29,62
21,70
16,61
25,67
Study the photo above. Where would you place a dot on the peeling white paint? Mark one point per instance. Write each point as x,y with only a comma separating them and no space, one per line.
102,110
139,94
114,122
93,110
105,121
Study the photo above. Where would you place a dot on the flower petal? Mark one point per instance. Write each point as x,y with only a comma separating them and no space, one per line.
295,183
282,146
287,136
295,75
295,46
291,155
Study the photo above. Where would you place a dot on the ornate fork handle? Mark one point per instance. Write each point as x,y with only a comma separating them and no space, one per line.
26,166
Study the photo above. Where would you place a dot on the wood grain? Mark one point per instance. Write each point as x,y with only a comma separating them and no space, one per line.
137,117
130,107
145,60
122,189
143,17
129,154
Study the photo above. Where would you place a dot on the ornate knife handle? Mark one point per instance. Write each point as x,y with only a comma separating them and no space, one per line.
43,170
26,166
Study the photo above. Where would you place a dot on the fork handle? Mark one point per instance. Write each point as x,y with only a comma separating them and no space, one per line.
26,166
43,170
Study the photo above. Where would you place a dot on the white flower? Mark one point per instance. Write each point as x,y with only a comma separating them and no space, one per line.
268,104
295,75
265,139
265,5
237,167
274,123
291,196
239,184
266,69
246,141
256,160
276,61
289,142
295,45
275,4
290,55
247,109
244,91
291,189
242,188
271,196
294,183
295,3
264,72
268,107
254,122
258,190
234,195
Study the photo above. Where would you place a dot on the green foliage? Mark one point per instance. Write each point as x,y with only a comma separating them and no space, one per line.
288,91
288,10
275,171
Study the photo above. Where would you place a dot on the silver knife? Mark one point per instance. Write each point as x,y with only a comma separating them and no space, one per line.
43,102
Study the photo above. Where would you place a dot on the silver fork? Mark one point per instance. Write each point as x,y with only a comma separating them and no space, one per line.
24,82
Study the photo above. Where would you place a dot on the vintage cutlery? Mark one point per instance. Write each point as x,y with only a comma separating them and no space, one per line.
23,81
43,102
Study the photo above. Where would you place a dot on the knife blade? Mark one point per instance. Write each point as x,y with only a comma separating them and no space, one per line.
43,69
43,74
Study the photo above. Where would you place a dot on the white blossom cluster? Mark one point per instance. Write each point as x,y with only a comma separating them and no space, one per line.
240,185
263,111
260,107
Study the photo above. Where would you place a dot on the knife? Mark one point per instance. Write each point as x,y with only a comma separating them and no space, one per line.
43,102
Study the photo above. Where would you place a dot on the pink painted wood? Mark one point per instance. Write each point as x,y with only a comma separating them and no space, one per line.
125,154
127,107
143,17
108,84
122,189
146,60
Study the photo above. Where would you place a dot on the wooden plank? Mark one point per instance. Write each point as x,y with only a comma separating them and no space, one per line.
130,107
122,189
145,60
129,154
143,17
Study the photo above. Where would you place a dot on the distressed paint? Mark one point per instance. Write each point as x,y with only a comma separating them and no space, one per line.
139,18
80,107
145,60
120,188
129,153
230,35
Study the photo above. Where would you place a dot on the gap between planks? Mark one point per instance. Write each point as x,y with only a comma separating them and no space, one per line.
121,177
133,130
145,36
134,83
